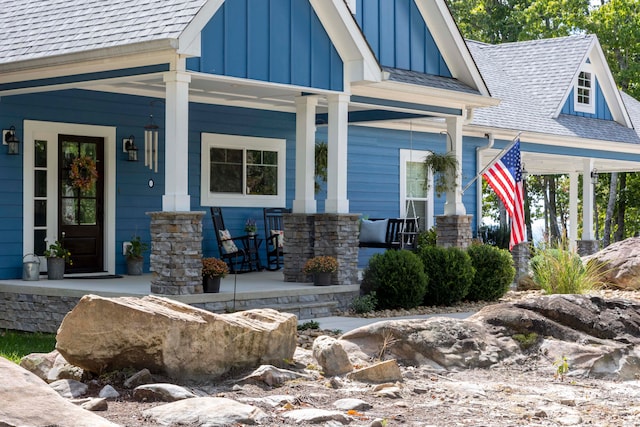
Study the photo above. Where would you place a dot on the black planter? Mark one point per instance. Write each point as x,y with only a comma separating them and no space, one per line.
322,279
211,285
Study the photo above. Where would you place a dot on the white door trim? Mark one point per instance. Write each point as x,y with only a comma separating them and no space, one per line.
49,131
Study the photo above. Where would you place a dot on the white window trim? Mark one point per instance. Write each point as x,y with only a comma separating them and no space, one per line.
580,107
415,156
208,198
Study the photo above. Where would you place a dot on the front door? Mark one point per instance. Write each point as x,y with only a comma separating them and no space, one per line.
80,201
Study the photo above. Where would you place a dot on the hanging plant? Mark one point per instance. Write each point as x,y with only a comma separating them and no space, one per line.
441,166
83,173
321,155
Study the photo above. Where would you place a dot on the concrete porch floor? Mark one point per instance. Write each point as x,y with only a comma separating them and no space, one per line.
266,289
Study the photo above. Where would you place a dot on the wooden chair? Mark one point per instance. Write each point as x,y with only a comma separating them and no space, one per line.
274,236
232,249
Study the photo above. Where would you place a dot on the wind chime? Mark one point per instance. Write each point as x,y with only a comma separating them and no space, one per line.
151,143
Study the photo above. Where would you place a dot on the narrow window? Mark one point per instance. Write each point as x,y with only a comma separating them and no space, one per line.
584,94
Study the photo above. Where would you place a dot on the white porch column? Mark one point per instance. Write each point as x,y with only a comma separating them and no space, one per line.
337,157
573,210
304,201
176,197
587,201
453,204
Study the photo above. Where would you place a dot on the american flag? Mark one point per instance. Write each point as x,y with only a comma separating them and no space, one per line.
505,177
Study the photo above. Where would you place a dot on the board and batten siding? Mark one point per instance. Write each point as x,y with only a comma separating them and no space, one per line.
399,36
279,41
601,107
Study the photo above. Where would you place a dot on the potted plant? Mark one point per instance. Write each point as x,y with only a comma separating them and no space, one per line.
321,267
213,269
250,227
57,256
135,260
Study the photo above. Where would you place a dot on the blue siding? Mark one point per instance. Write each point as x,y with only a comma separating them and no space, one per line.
602,108
399,37
280,41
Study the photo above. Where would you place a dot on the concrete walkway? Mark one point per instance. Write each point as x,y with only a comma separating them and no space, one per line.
346,324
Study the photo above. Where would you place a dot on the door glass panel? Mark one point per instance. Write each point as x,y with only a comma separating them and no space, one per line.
40,189
40,213
69,209
67,190
39,245
40,160
87,211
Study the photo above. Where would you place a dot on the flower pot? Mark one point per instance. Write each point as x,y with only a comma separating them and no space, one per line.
55,268
322,279
211,285
135,266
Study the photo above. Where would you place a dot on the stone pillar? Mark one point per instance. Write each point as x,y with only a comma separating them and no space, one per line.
588,247
299,237
337,235
521,254
454,231
176,252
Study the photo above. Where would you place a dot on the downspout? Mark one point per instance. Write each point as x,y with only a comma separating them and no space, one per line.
479,151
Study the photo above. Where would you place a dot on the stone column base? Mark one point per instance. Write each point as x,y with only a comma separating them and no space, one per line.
454,231
587,247
299,237
176,252
521,254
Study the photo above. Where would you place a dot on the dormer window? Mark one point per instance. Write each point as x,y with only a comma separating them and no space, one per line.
584,93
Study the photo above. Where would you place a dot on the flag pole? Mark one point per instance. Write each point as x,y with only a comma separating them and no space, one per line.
504,150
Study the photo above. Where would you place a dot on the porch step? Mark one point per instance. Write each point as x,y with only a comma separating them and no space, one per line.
308,310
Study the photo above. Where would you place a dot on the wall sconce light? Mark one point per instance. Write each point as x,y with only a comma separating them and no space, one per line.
151,145
10,139
129,145
594,176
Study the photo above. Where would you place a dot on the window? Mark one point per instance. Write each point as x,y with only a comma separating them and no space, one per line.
584,92
242,171
415,199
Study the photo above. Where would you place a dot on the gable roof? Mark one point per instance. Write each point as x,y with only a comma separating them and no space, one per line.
533,80
45,28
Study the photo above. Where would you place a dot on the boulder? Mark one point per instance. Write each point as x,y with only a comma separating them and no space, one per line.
380,372
209,411
599,337
620,263
29,401
102,334
331,356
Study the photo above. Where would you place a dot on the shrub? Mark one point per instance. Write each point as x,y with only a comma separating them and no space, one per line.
397,278
427,238
450,274
494,272
559,271
364,303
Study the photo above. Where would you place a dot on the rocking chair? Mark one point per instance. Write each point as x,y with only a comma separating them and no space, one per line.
232,249
274,232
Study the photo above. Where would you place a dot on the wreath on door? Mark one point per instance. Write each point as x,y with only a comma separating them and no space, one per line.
83,173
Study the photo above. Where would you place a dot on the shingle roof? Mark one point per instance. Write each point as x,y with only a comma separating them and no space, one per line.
41,28
421,79
531,79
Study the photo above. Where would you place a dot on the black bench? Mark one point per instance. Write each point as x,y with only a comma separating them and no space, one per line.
397,233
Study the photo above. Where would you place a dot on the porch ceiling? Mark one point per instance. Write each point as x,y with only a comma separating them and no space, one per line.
553,164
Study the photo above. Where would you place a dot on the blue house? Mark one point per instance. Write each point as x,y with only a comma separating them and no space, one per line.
225,100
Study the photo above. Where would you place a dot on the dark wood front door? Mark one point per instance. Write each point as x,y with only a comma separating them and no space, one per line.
81,201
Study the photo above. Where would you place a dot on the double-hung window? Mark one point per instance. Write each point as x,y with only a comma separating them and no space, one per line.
416,188
242,171
584,91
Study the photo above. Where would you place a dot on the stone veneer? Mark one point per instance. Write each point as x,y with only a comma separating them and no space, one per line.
312,235
176,252
521,253
454,231
587,247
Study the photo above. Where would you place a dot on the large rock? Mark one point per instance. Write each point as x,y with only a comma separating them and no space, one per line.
599,337
620,263
165,336
29,401
331,356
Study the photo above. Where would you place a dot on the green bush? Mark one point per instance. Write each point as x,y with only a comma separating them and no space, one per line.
364,303
397,278
450,274
559,271
427,238
494,272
